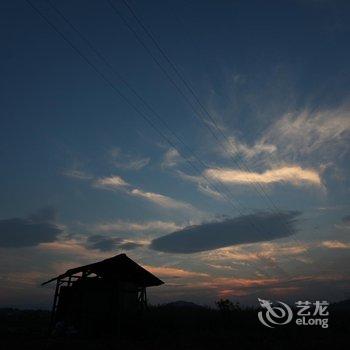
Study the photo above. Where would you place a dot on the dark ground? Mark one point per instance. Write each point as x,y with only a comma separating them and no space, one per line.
165,327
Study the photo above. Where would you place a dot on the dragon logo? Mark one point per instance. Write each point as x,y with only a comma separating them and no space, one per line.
274,315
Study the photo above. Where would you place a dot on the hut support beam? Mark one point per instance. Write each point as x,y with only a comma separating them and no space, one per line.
54,305
142,298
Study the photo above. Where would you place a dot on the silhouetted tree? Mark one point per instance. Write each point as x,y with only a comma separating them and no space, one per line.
226,305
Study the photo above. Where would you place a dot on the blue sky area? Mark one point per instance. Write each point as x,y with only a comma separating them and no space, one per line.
231,181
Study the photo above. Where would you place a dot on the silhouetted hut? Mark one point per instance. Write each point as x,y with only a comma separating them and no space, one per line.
101,295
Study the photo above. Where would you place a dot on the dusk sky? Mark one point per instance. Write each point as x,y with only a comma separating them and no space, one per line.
207,140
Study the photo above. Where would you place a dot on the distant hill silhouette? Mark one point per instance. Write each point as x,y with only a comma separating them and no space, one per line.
343,305
181,304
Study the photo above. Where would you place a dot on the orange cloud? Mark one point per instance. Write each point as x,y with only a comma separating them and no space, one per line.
295,175
335,245
255,252
173,272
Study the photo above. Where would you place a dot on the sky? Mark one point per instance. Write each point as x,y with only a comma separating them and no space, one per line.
209,141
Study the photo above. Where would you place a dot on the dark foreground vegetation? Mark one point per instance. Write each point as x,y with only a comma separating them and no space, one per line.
179,326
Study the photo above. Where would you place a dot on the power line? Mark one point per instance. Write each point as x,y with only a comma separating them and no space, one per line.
258,187
87,41
103,58
120,94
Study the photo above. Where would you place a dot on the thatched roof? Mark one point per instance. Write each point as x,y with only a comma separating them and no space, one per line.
120,268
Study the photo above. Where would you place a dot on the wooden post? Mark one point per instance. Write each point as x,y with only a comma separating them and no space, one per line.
54,306
120,310
145,295
142,298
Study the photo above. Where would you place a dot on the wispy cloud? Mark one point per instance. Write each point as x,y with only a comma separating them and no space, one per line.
112,182
161,200
171,158
294,175
127,161
209,191
256,252
300,142
107,243
144,227
202,184
77,174
117,183
336,245
309,132
235,146
174,272
228,287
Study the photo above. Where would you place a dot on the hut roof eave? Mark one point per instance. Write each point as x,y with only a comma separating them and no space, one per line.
119,267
